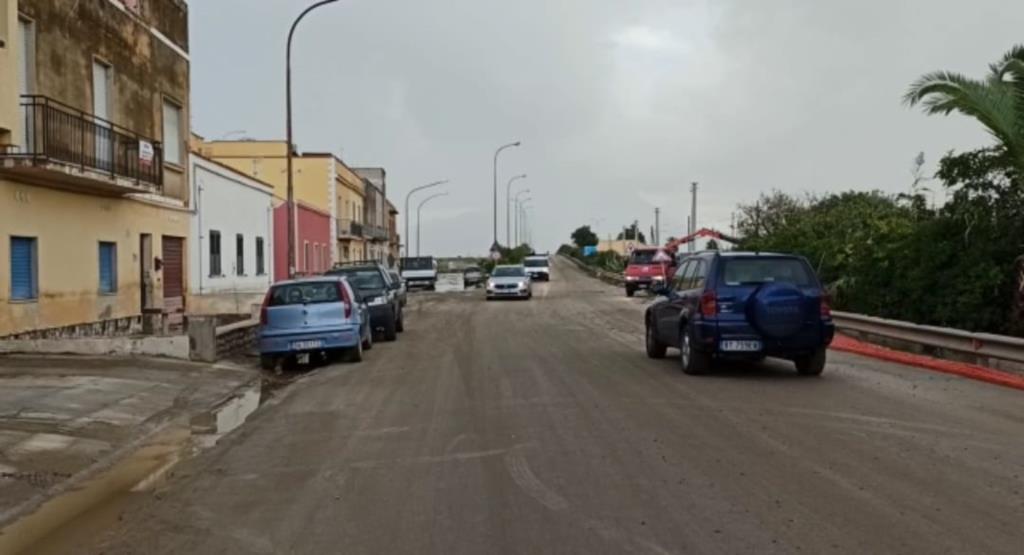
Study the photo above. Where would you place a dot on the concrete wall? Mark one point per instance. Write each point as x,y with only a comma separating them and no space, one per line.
10,122
231,203
68,227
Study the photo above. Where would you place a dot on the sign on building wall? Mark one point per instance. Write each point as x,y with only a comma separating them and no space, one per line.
146,153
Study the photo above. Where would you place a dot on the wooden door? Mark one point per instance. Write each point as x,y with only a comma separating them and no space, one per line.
174,273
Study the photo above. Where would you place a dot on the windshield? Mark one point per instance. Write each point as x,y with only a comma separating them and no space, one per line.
472,270
509,271
364,279
648,256
536,262
421,263
304,293
744,271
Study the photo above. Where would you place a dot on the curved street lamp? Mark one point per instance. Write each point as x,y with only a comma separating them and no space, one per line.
418,209
508,208
409,194
496,153
291,142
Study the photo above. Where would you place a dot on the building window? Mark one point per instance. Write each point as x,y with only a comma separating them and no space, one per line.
214,253
260,268
172,133
239,255
24,269
305,256
108,267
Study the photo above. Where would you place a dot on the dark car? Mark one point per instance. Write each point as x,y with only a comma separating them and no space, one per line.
398,284
372,282
473,276
740,305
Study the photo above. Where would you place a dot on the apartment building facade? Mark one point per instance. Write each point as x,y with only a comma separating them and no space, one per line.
94,104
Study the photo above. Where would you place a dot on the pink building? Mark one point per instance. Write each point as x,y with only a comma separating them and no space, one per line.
312,242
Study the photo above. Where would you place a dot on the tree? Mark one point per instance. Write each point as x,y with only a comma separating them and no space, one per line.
997,101
632,233
768,214
584,237
712,245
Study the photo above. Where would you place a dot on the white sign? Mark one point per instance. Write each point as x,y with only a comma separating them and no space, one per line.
146,152
447,283
630,247
495,255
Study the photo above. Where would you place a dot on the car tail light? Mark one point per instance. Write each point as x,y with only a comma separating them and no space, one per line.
826,305
263,308
708,303
343,295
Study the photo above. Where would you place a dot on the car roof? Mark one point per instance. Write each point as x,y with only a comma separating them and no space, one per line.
342,269
508,266
309,279
750,254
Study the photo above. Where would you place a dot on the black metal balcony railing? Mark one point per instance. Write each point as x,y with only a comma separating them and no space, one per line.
56,132
375,232
349,228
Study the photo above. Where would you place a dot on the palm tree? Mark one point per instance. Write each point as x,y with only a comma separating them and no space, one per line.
997,101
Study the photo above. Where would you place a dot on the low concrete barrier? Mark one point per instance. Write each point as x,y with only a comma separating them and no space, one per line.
174,346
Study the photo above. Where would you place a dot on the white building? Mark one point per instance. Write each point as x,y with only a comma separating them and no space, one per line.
231,251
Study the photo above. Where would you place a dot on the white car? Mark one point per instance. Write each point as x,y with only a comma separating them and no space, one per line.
538,267
509,282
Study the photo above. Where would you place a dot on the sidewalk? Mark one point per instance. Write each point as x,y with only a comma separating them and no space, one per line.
63,421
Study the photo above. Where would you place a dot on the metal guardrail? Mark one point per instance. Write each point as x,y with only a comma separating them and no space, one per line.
978,344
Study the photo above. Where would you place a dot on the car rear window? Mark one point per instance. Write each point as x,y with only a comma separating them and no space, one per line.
755,271
364,279
304,293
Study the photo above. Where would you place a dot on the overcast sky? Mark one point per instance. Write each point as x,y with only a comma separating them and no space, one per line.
619,105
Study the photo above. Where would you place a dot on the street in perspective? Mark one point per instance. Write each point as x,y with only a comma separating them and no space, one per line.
541,277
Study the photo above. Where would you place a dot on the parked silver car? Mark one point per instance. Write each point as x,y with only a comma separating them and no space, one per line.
509,282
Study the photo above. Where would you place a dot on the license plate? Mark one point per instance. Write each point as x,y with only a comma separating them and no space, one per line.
307,345
741,346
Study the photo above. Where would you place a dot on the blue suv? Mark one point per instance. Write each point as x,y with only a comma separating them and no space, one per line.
741,305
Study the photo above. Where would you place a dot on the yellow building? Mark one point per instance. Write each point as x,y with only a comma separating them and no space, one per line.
93,172
321,180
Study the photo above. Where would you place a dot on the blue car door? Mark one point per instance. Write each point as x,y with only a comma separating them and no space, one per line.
669,311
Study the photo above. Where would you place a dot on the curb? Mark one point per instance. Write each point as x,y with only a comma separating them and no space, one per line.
847,344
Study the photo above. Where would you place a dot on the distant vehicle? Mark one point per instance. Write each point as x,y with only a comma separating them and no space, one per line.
648,268
312,315
372,282
736,305
538,267
473,276
398,284
509,282
419,271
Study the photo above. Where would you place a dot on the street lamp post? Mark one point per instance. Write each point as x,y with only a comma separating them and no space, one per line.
290,146
409,194
516,202
508,207
496,153
522,214
418,209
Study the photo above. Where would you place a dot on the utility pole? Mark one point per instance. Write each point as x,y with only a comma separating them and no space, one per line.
693,213
657,226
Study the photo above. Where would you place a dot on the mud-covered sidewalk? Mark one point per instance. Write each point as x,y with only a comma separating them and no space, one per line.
65,421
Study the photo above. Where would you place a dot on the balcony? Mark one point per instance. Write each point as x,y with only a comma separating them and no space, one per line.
349,229
375,233
68,148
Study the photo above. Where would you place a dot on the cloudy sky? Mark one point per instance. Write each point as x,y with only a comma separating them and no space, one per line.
619,105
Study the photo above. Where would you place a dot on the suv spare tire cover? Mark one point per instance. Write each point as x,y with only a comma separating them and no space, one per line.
777,310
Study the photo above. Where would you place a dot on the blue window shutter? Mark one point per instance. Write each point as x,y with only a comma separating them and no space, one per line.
108,267
23,268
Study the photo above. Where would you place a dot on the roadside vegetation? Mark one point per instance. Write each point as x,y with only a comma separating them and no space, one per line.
900,256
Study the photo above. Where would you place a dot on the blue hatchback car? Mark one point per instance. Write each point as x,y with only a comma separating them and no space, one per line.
313,315
741,305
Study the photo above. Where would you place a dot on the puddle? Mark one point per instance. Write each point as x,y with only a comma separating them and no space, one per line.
66,521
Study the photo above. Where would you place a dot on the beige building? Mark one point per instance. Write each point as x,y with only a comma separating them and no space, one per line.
93,164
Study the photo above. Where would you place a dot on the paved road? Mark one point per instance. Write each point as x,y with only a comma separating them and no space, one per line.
541,427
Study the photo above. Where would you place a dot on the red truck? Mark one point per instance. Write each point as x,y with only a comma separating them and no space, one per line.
648,268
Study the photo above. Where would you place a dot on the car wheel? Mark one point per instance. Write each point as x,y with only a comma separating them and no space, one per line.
368,341
390,329
655,348
812,364
630,291
268,362
355,354
693,361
